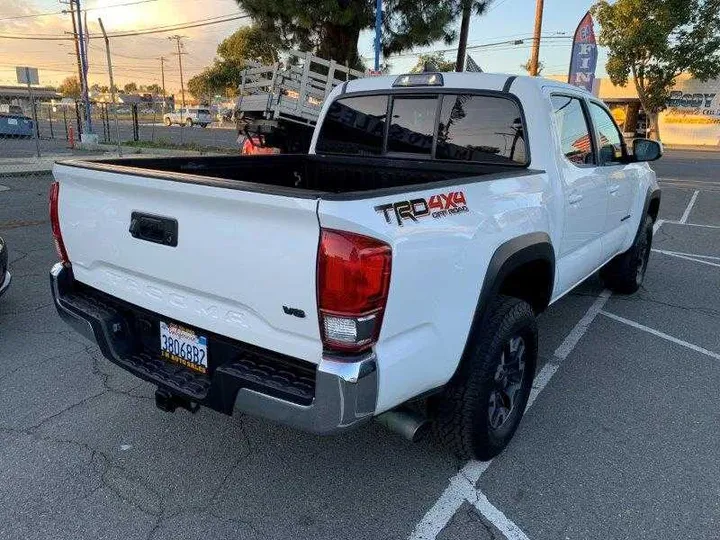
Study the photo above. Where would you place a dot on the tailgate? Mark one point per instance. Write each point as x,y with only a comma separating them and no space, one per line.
244,264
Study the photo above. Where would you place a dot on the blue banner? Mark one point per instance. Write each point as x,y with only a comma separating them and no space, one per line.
584,55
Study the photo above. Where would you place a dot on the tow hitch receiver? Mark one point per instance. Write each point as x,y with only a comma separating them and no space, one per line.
168,402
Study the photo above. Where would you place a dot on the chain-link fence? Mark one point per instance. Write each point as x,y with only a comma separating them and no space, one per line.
41,128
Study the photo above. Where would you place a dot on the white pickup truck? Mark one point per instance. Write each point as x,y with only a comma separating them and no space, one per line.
399,266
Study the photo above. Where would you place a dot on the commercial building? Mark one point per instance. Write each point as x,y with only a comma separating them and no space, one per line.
692,116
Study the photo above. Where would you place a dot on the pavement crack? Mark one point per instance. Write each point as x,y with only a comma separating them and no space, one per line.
66,409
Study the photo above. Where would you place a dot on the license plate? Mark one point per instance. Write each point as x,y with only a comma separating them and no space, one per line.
183,346
12,122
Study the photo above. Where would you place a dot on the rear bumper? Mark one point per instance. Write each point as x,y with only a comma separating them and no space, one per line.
329,397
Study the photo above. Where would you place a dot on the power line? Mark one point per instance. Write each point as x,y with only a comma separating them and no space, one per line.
48,13
153,30
179,26
518,43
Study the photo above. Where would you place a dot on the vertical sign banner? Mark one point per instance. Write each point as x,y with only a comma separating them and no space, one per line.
584,55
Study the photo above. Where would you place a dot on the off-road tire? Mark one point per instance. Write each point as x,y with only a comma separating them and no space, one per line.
189,122
625,273
460,413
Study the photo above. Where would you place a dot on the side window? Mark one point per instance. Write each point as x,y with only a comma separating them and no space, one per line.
481,128
572,127
608,135
412,125
354,125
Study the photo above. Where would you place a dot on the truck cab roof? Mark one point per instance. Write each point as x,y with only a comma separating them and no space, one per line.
475,81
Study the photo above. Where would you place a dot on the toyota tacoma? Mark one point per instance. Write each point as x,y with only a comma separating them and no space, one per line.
400,264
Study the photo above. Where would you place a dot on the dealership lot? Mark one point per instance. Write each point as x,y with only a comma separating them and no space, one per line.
620,441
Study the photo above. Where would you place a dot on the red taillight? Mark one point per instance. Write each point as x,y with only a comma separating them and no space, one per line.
55,223
353,284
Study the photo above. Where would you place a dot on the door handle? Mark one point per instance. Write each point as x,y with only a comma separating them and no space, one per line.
152,228
574,199
615,188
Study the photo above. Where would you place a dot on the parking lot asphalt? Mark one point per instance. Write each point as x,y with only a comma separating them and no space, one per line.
620,440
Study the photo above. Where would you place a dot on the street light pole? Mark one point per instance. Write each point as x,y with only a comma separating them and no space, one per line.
378,33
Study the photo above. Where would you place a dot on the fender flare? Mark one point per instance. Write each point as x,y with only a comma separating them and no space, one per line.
508,257
653,194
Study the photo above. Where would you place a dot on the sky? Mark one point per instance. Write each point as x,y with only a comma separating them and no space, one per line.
138,58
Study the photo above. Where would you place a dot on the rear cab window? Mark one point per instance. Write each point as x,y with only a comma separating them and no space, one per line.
444,126
354,125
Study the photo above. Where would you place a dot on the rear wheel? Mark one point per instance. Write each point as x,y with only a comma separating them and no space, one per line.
167,122
189,122
204,125
479,410
626,272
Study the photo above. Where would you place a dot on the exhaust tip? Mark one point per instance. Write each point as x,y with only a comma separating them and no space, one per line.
411,425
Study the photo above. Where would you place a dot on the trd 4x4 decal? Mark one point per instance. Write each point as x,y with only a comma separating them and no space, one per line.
437,206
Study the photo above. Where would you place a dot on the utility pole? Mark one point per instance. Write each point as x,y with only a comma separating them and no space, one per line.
178,39
75,38
534,58
112,85
464,30
162,75
84,63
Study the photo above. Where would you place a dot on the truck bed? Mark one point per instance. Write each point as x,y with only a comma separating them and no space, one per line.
306,176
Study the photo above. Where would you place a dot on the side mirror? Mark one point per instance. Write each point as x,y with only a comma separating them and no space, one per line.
647,150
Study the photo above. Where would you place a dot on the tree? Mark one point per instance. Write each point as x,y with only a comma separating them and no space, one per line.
130,88
526,66
434,61
331,29
467,7
248,44
70,87
154,88
655,41
199,85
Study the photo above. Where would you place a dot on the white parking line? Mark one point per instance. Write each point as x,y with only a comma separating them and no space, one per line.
663,335
463,485
4,188
497,518
692,224
711,257
657,225
687,257
686,213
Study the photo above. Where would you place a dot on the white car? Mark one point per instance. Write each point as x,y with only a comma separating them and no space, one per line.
405,259
191,116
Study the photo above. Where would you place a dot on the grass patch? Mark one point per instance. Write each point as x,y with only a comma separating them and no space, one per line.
166,144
